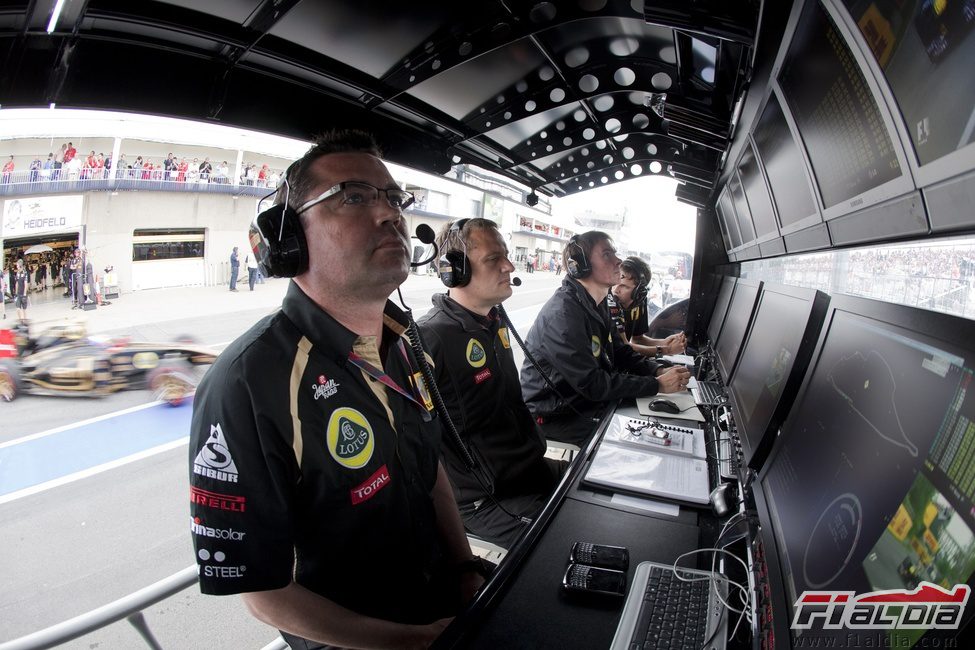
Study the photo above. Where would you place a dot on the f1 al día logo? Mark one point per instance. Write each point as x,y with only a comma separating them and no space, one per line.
927,607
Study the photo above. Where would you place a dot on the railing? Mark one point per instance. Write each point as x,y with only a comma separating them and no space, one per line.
59,181
128,607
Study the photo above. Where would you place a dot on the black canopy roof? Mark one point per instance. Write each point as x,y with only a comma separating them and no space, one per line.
560,96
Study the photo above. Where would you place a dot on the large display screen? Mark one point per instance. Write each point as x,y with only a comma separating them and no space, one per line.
872,484
771,359
745,227
783,165
721,307
735,325
756,193
849,147
925,49
726,210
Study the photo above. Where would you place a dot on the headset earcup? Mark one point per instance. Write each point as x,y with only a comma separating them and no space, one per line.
281,250
455,271
640,293
577,269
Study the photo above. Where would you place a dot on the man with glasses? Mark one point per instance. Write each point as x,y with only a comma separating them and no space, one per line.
316,489
478,379
573,341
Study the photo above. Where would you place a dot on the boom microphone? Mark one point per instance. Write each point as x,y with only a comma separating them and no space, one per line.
426,235
516,282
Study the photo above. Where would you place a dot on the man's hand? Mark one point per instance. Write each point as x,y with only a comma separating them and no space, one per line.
673,379
427,634
675,343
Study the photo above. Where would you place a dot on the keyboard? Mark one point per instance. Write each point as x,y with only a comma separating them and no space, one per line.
709,392
662,611
725,457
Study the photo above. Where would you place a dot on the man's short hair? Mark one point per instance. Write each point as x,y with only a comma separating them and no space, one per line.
636,268
586,241
460,240
299,180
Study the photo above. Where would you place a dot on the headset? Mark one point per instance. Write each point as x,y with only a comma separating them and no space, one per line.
577,265
454,265
277,238
642,288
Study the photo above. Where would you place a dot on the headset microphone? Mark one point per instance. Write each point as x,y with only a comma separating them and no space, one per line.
516,282
426,235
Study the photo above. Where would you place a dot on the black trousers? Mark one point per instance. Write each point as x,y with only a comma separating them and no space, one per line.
571,428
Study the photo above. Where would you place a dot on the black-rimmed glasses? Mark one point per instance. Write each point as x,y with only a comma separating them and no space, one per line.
356,194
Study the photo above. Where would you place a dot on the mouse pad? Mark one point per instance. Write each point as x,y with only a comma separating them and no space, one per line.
684,400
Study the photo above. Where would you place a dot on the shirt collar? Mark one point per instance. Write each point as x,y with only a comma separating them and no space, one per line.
468,319
326,332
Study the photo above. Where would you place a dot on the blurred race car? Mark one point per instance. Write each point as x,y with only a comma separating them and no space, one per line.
63,360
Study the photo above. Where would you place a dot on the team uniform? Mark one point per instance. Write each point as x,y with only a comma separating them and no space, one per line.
478,380
308,461
573,341
629,321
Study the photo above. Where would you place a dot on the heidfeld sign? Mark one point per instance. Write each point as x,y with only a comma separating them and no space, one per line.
41,215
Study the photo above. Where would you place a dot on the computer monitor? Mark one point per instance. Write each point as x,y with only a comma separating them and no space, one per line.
757,195
736,322
849,135
774,359
870,485
720,308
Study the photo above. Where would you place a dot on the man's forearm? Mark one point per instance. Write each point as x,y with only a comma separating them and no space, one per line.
301,612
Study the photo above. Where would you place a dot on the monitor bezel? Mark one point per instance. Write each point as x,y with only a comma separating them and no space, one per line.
817,303
750,148
741,218
728,373
734,282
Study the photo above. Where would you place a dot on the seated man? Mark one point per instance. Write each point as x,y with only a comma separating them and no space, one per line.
573,342
628,307
477,377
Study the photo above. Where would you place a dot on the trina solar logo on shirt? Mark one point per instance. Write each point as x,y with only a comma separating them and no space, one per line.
214,459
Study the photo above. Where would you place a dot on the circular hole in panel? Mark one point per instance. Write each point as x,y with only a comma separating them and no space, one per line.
557,95
588,83
584,151
542,12
592,5
487,125
576,57
589,134
668,54
607,160
560,125
619,175
601,144
499,99
641,121
613,125
530,106
534,154
428,47
603,103
436,64
656,167
507,115
603,180
592,184
549,148
412,78
628,153
637,7
566,142
579,115
708,74
638,99
661,81
624,77
636,170
456,160
624,46
620,138
652,149
465,48
572,158
528,143
521,86
590,165
543,135
546,73
575,170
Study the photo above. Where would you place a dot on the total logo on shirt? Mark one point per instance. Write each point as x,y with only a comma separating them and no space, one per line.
475,354
214,459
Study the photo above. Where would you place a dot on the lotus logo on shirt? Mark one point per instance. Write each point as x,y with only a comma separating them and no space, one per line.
596,347
475,354
349,438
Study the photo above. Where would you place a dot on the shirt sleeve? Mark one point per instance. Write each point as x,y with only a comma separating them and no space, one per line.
242,484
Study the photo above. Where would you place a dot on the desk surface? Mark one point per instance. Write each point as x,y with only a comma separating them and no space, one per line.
529,609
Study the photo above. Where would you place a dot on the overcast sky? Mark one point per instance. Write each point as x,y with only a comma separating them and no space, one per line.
654,216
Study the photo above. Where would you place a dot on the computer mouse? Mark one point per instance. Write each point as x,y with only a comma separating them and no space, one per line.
721,499
664,406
